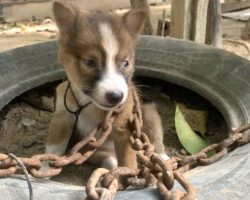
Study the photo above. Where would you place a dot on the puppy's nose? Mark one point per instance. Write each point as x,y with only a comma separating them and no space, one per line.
114,97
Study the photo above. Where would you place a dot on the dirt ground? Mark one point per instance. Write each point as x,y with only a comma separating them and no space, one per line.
24,122
13,35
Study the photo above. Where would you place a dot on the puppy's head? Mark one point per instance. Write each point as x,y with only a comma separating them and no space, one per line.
97,51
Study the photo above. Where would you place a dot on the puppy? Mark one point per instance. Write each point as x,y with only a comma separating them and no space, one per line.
97,52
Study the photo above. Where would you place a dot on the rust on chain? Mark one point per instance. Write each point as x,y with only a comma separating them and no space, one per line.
117,173
242,128
65,160
167,176
91,191
7,171
151,168
85,141
28,162
50,171
3,157
102,139
145,161
143,180
186,185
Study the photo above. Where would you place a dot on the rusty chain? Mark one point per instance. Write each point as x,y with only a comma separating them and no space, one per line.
151,167
214,152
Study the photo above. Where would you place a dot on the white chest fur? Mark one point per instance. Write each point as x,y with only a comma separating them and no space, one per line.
89,119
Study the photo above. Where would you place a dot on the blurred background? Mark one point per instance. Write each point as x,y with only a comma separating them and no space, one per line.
221,23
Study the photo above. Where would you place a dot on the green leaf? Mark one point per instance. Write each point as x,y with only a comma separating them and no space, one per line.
192,142
196,119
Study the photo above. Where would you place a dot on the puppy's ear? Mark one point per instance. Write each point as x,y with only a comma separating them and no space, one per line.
65,15
134,20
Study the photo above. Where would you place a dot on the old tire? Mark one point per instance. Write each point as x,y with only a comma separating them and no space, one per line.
219,76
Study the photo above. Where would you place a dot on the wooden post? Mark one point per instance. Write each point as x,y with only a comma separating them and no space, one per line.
148,29
180,19
245,32
189,19
214,24
199,18
230,6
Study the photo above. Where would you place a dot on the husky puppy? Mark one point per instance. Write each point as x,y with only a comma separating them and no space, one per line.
97,52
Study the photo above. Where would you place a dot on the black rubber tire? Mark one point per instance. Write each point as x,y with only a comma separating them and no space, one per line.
219,76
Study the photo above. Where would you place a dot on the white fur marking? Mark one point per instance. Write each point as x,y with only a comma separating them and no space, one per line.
110,162
164,156
80,96
110,45
58,149
112,80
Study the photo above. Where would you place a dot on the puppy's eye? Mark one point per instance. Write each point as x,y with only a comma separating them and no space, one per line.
89,62
125,64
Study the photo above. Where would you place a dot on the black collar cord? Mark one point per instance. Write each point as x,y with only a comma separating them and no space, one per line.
76,112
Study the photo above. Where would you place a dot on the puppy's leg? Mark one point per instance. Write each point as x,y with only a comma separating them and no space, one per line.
62,123
109,162
60,132
105,155
152,126
126,156
104,158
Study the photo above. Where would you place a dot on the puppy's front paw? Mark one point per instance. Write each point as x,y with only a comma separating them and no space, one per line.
44,168
164,156
110,162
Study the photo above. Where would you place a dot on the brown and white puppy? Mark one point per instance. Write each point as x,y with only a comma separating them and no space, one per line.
97,52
